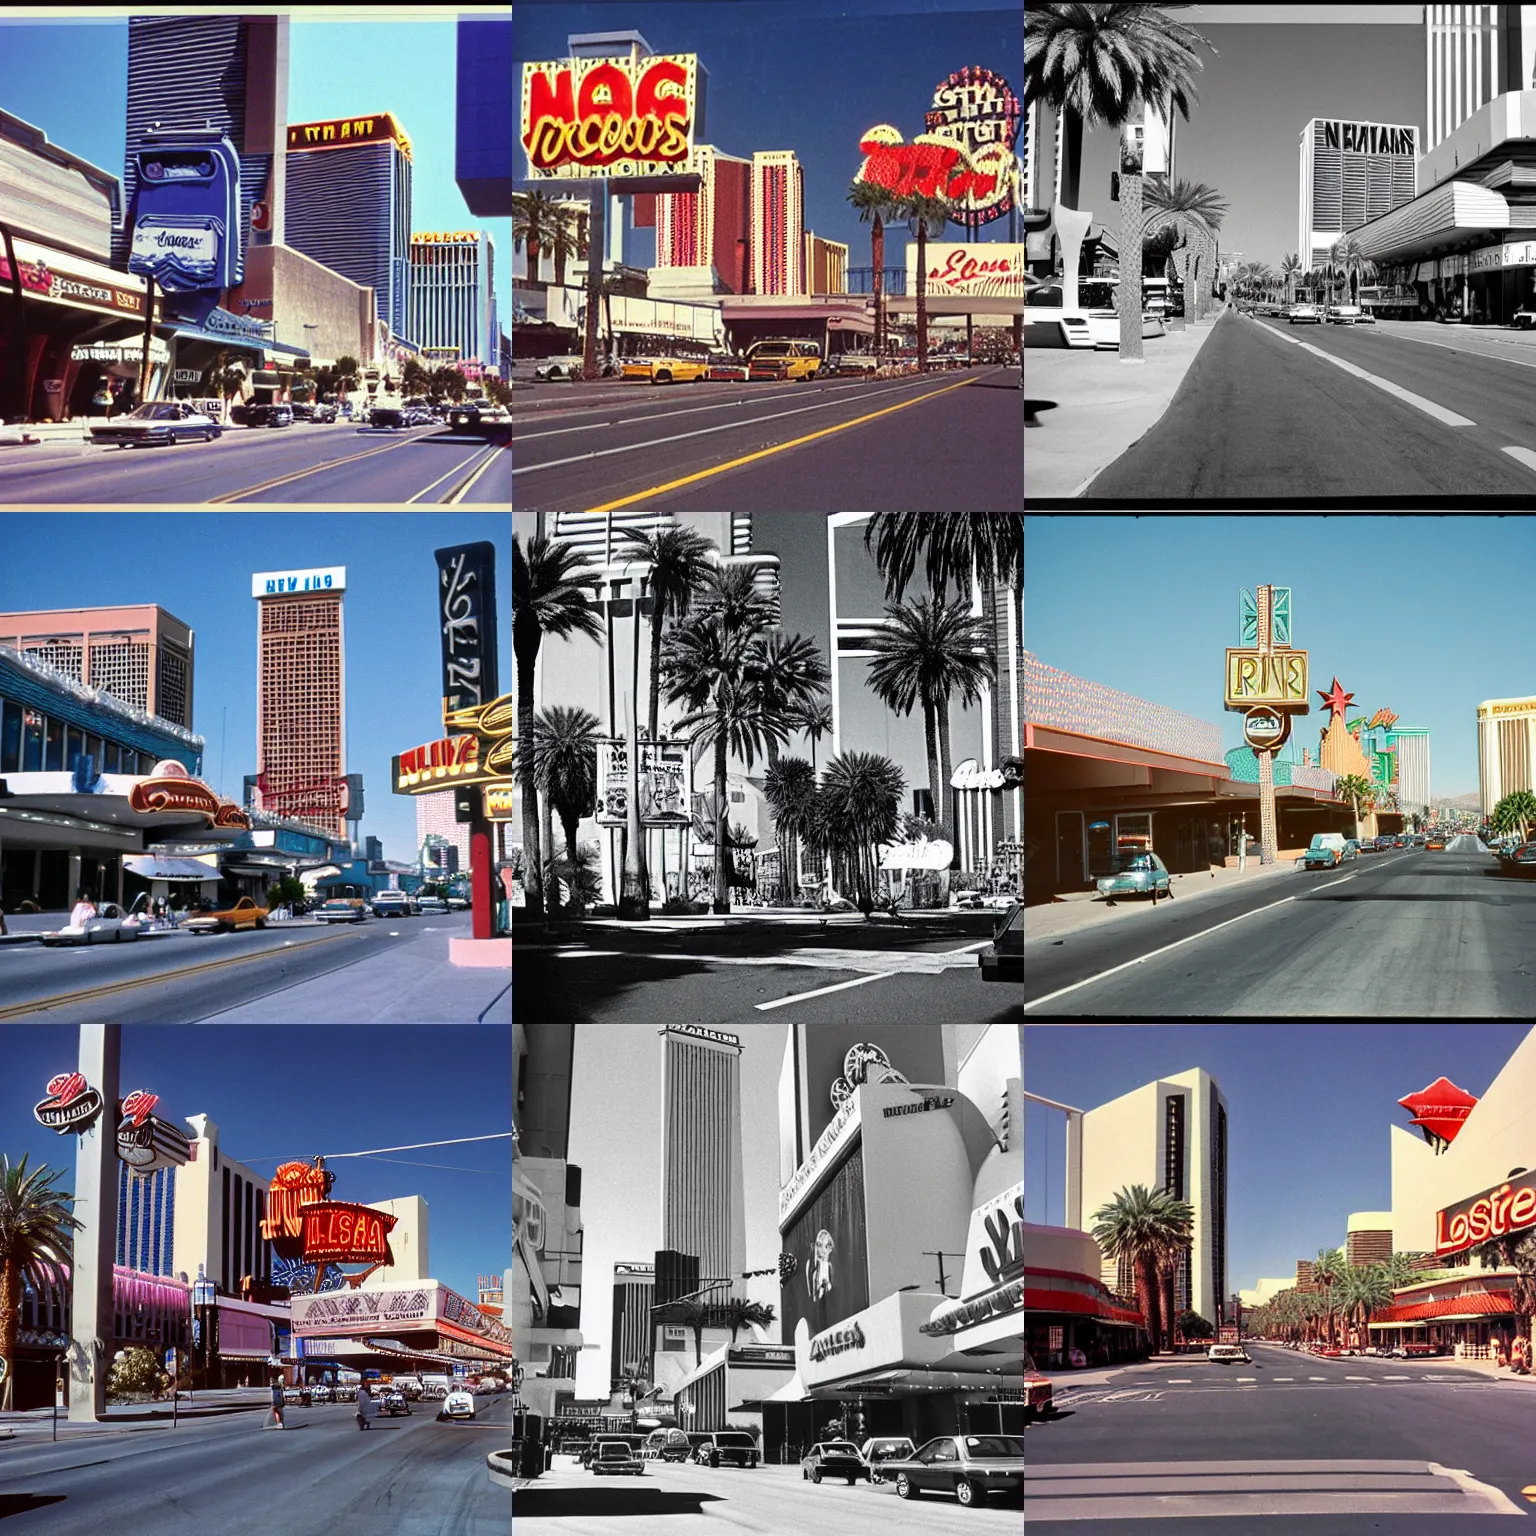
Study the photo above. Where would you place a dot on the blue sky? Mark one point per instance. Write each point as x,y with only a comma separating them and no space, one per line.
616,1141
1309,1111
198,566
804,75
284,1092
1270,70
70,79
1400,608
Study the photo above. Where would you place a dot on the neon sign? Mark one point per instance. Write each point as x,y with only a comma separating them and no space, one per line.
978,110
337,1232
609,117
294,1186
1493,1214
146,1142
72,1104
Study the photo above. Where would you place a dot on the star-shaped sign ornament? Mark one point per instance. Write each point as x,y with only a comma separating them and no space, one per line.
1336,699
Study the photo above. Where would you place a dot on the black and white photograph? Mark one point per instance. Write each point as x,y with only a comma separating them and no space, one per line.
769,1278
768,761
1280,254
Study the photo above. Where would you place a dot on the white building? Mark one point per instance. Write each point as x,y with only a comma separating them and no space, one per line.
1351,173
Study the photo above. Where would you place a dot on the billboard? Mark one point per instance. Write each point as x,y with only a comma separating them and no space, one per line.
663,783
338,132
466,593
620,118
827,1240
956,271
834,1058
296,583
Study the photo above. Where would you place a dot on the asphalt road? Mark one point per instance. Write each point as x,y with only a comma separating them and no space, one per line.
321,1476
302,465
1404,935
687,1500
1269,409
912,969
187,978
943,442
1291,1445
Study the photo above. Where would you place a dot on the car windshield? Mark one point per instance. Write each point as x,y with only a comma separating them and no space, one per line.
735,1440
994,1445
841,1447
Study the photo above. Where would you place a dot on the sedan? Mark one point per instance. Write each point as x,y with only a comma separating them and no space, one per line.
1369,845
1435,844
458,1405
1520,860
833,1458
158,421
1343,314
1139,874
394,1404
666,370
245,913
110,924
274,413
882,1448
727,366
968,1466
555,368
341,910
1306,314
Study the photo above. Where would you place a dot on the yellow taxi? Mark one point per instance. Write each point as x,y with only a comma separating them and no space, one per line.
669,369
784,360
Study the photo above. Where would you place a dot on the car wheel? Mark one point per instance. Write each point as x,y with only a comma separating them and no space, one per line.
815,1474
904,1488
965,1492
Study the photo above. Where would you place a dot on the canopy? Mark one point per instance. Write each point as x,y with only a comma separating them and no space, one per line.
147,867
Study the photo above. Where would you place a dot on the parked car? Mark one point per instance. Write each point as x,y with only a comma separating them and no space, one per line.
323,412
245,913
879,1449
730,1445
728,367
322,1392
1386,842
970,1467
1368,845
965,901
110,925
431,904
386,412
616,1456
1227,1354
1343,314
1402,841
341,909
668,1445
1305,314
553,369
297,1395
270,413
393,904
458,903
669,368
1140,873
855,365
833,1458
458,1405
1326,851
157,422
1003,958
787,359
417,412
1520,860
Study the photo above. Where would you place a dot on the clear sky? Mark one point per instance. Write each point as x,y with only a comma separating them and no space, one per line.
1309,1107
806,75
1399,608
198,566
287,1092
616,1141
1274,68
70,78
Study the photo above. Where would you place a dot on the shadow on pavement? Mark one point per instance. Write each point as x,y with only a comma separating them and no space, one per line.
24,1503
632,1498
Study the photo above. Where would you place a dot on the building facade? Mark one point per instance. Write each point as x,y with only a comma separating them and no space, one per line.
634,1293
1506,749
710,228
435,819
778,223
1351,173
1472,54
146,1220
453,294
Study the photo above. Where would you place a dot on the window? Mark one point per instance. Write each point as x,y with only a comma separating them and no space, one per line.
114,755
94,750
74,747
31,742
53,747
10,737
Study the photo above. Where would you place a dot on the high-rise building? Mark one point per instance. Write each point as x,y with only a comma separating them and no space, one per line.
227,73
1472,54
778,222
1351,173
708,228
634,1292
349,207
703,1204
220,1205
139,655
453,299
146,1220
1506,749
826,265
301,696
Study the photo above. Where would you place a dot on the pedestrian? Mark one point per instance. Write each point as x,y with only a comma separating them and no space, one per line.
2,923
84,909
366,1408
277,1401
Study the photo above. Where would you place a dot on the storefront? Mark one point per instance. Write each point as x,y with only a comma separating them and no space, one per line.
1070,1317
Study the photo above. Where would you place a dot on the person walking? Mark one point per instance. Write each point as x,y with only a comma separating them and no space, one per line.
366,1407
277,1402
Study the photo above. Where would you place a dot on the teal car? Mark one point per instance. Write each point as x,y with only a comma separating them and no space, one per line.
1139,874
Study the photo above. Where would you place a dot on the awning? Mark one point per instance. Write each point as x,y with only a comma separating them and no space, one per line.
148,867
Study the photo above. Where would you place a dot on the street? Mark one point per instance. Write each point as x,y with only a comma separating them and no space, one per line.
946,441
1291,1442
301,465
350,973
684,1498
917,968
227,1475
1409,934
1271,409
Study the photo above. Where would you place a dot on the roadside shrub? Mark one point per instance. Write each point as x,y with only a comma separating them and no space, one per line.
135,1371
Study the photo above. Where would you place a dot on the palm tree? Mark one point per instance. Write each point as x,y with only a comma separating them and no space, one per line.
795,678
1192,208
1137,1228
953,545
713,662
861,800
1348,263
565,744
34,1244
879,204
815,719
542,224
736,1314
547,599
926,218
695,1315
1326,1272
789,787
1105,64
1290,265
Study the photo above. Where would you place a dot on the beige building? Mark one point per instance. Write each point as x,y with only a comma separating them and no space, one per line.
407,1241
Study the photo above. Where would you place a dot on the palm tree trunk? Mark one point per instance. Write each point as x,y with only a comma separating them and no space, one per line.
533,864
1130,267
634,887
946,772
722,903
877,244
10,1326
552,901
922,296
935,783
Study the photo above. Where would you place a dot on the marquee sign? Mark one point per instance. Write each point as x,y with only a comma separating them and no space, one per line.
1277,678
71,1105
978,110
969,271
442,764
337,1232
466,591
294,1186
586,118
146,1142
662,781
937,166
497,801
701,1033
1495,1213
444,238
338,132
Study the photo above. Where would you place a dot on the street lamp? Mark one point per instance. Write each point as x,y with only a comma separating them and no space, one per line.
204,1295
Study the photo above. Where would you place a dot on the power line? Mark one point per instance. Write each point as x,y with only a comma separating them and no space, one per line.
452,1141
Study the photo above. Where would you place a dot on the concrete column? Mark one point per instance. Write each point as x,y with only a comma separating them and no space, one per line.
74,880
96,1245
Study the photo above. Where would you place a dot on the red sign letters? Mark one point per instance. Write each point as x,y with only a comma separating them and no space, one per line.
1493,1214
336,1232
592,113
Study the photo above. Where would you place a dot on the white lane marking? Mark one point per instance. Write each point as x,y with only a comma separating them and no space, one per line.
1155,954
967,949
898,962
800,997
1440,413
1524,456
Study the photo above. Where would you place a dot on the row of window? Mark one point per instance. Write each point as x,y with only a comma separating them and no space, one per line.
32,742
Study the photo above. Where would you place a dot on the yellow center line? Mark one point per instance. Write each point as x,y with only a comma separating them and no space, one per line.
288,478
763,453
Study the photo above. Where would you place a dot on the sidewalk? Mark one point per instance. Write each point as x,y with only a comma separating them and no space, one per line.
1084,408
117,1417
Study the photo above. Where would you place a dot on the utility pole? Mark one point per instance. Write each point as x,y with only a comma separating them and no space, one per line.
930,1253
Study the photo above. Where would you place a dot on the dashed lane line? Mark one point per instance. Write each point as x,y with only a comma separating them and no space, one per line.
841,986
